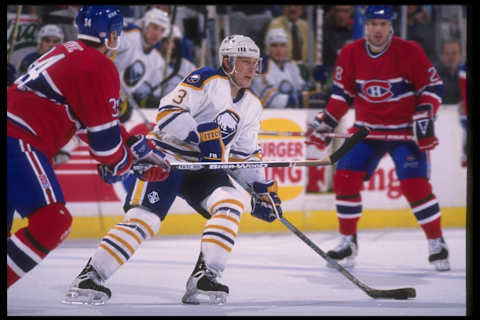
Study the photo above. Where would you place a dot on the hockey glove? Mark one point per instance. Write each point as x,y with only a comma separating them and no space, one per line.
423,129
61,157
106,173
149,163
211,144
323,123
265,201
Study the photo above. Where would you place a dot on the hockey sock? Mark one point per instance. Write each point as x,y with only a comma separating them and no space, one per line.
121,242
219,234
348,201
424,204
27,247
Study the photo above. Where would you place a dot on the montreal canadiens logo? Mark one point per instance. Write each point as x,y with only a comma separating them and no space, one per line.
377,90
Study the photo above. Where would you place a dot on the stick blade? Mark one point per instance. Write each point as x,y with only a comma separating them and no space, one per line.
398,294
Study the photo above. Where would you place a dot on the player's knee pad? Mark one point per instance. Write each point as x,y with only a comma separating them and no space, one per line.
47,228
50,225
121,242
348,182
221,229
416,189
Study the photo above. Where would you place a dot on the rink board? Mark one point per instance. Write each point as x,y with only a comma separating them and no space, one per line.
97,206
192,224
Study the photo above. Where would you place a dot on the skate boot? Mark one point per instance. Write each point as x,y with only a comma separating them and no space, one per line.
203,282
87,288
438,251
345,252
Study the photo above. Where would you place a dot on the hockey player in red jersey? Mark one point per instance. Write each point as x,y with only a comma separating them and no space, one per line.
73,88
395,90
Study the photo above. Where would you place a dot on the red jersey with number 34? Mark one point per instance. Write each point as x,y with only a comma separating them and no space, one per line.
384,88
71,89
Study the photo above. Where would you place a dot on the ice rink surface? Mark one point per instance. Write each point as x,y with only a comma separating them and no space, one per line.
268,275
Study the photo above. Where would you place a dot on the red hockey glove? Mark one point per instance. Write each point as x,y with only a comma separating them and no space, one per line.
149,164
423,127
323,123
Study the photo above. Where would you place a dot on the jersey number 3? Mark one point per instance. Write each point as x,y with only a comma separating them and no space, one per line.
181,95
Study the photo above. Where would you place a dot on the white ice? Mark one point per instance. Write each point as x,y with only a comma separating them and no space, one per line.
268,275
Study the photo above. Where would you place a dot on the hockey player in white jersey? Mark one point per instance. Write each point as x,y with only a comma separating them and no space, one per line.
139,60
209,116
178,66
281,84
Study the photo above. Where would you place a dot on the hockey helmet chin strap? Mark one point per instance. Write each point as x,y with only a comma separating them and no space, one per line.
107,44
231,61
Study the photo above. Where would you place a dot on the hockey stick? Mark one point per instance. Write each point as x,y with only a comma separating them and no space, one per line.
401,293
395,137
331,159
14,33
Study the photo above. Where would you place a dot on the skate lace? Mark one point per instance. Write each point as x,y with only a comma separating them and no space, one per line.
345,242
212,276
435,245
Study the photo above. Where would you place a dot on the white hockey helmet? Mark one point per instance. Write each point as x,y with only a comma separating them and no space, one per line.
158,17
50,30
276,35
176,33
238,46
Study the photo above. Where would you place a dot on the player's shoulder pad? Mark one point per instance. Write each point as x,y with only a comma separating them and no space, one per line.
199,77
130,27
254,96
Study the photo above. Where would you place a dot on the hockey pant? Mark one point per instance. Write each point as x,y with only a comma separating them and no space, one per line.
34,193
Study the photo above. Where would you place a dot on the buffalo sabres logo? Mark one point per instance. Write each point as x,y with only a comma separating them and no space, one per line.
377,90
133,73
228,123
194,78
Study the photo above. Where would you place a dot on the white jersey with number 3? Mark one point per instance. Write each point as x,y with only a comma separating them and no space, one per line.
205,96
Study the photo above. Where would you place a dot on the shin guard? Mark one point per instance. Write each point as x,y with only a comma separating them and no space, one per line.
47,228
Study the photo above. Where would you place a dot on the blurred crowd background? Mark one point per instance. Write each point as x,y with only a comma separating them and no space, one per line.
322,31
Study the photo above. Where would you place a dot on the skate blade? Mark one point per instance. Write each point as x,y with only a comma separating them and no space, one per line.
441,265
85,296
216,298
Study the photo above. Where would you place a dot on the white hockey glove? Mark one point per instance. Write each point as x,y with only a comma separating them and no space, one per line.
265,201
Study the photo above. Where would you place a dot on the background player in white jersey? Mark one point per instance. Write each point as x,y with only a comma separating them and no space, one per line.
209,116
139,61
178,66
280,85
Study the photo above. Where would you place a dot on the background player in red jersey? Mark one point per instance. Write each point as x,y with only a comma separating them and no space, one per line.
395,90
73,88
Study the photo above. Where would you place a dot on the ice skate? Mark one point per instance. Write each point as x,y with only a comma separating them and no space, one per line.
87,288
345,252
203,283
438,251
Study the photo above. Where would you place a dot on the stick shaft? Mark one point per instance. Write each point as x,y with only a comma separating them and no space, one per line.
393,137
347,146
14,33
401,293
